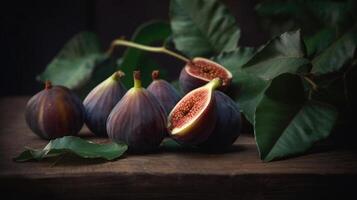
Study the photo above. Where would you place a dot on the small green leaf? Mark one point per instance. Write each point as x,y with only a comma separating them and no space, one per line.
284,54
76,146
337,54
74,64
203,27
147,34
287,124
234,60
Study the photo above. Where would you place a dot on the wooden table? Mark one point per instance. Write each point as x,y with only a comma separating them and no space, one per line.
326,172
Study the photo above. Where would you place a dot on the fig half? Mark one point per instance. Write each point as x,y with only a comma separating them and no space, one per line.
200,71
193,118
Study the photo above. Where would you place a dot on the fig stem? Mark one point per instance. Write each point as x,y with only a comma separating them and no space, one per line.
48,85
215,83
312,83
122,42
137,79
118,74
155,74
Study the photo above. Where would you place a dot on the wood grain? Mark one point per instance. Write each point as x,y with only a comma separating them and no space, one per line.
326,172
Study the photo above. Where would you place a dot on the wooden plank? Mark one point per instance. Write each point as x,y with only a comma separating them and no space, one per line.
190,175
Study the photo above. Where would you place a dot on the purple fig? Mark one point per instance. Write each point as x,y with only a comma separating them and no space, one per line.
228,124
138,119
200,71
101,100
193,118
54,112
164,92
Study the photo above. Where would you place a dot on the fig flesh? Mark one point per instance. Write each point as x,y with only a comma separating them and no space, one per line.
54,112
200,71
138,119
228,124
167,95
193,118
101,100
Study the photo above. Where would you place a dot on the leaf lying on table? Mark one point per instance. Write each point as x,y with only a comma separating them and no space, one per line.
202,28
74,64
286,123
76,146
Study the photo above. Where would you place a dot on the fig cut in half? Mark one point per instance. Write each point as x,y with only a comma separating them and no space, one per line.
200,71
193,118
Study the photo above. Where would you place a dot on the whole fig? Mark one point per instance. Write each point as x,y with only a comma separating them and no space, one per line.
101,100
200,71
164,92
193,118
54,112
228,124
138,119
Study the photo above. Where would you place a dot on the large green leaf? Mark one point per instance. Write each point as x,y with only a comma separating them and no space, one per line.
76,146
203,27
281,55
286,123
319,41
234,60
74,64
318,12
251,91
337,54
147,34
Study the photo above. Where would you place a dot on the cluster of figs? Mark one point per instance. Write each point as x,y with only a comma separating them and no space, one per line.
204,117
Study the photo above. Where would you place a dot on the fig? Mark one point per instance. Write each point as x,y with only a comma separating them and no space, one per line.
200,71
101,100
138,119
164,92
193,118
54,112
228,124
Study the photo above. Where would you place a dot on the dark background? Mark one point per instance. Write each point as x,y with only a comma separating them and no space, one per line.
32,32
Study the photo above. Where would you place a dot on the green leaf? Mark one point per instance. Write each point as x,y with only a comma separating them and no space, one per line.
203,27
251,90
337,54
319,41
318,12
284,54
234,60
147,34
287,124
287,8
76,146
74,64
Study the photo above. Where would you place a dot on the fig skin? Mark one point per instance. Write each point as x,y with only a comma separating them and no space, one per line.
228,124
201,127
138,119
54,112
100,101
167,95
189,82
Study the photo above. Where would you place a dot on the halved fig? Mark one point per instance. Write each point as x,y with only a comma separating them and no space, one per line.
200,71
193,118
